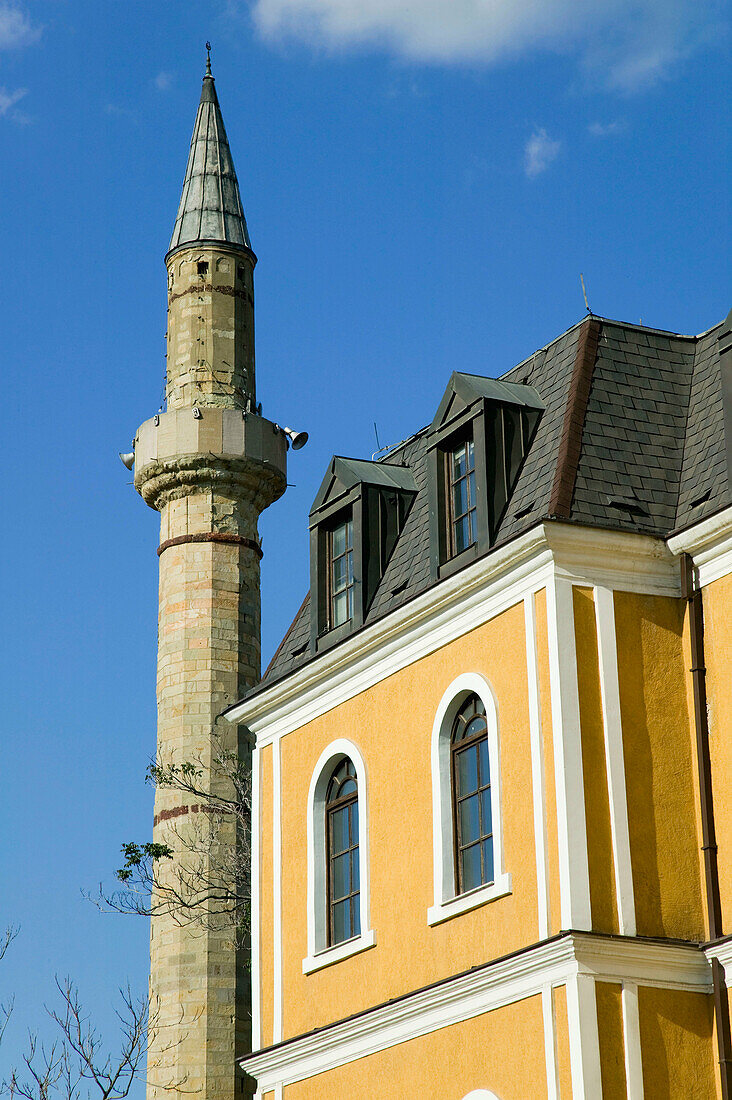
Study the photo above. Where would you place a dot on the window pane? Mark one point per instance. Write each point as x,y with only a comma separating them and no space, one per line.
347,788
488,875
469,820
475,725
470,859
485,767
355,870
470,448
463,538
339,540
467,770
458,462
485,808
460,497
342,921
340,608
340,574
471,489
339,830
341,876
354,822
355,916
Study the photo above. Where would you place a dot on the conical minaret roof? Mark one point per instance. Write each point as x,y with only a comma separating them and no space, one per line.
210,206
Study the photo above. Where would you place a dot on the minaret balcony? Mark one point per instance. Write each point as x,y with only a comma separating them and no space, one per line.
192,449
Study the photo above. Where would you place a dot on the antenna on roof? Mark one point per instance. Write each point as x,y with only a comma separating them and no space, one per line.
584,292
378,442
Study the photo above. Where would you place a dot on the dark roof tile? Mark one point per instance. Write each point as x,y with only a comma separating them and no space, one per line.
652,444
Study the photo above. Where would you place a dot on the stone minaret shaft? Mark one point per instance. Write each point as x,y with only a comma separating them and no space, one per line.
209,465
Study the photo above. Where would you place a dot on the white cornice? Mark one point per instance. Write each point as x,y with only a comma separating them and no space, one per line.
710,545
554,962
723,952
460,603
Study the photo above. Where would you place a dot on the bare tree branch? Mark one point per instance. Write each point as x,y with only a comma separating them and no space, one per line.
202,875
7,938
78,1065
6,1009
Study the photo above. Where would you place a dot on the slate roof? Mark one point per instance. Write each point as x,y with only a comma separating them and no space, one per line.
210,204
654,452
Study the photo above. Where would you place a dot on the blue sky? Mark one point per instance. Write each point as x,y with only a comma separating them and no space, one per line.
424,181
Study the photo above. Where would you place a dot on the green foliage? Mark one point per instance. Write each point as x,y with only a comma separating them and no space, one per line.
136,854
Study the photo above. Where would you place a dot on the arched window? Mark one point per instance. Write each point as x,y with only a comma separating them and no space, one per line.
471,797
338,910
341,830
466,800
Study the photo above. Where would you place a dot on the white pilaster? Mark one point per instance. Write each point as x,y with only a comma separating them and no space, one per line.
277,889
574,876
550,1042
631,1032
256,840
584,1038
537,768
614,758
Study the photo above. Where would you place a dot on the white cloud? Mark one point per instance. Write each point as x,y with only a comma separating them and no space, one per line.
16,28
8,101
539,152
164,81
629,42
605,129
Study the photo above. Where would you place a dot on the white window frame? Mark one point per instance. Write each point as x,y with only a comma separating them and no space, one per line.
446,903
319,953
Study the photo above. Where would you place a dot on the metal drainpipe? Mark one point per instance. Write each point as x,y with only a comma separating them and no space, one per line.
693,595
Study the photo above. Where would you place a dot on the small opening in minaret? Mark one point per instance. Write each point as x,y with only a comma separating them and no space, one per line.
202,267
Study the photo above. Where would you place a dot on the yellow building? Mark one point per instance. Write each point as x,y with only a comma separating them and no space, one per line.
492,759
486,777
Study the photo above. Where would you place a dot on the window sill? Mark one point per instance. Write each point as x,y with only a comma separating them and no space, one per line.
453,907
341,951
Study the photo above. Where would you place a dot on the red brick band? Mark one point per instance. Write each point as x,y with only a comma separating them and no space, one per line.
213,536
179,811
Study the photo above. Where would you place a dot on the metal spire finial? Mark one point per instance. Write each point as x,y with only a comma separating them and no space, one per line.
208,59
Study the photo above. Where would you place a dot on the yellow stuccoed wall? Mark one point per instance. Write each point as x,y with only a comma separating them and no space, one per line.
561,1025
612,1040
660,769
676,1040
392,726
447,1064
603,900
718,656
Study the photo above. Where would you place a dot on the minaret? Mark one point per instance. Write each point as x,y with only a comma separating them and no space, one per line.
209,464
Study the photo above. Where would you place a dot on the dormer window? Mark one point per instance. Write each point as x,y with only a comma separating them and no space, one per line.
340,573
460,468
355,522
479,439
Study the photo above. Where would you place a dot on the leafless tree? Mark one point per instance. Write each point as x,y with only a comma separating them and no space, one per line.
6,938
202,876
76,1065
